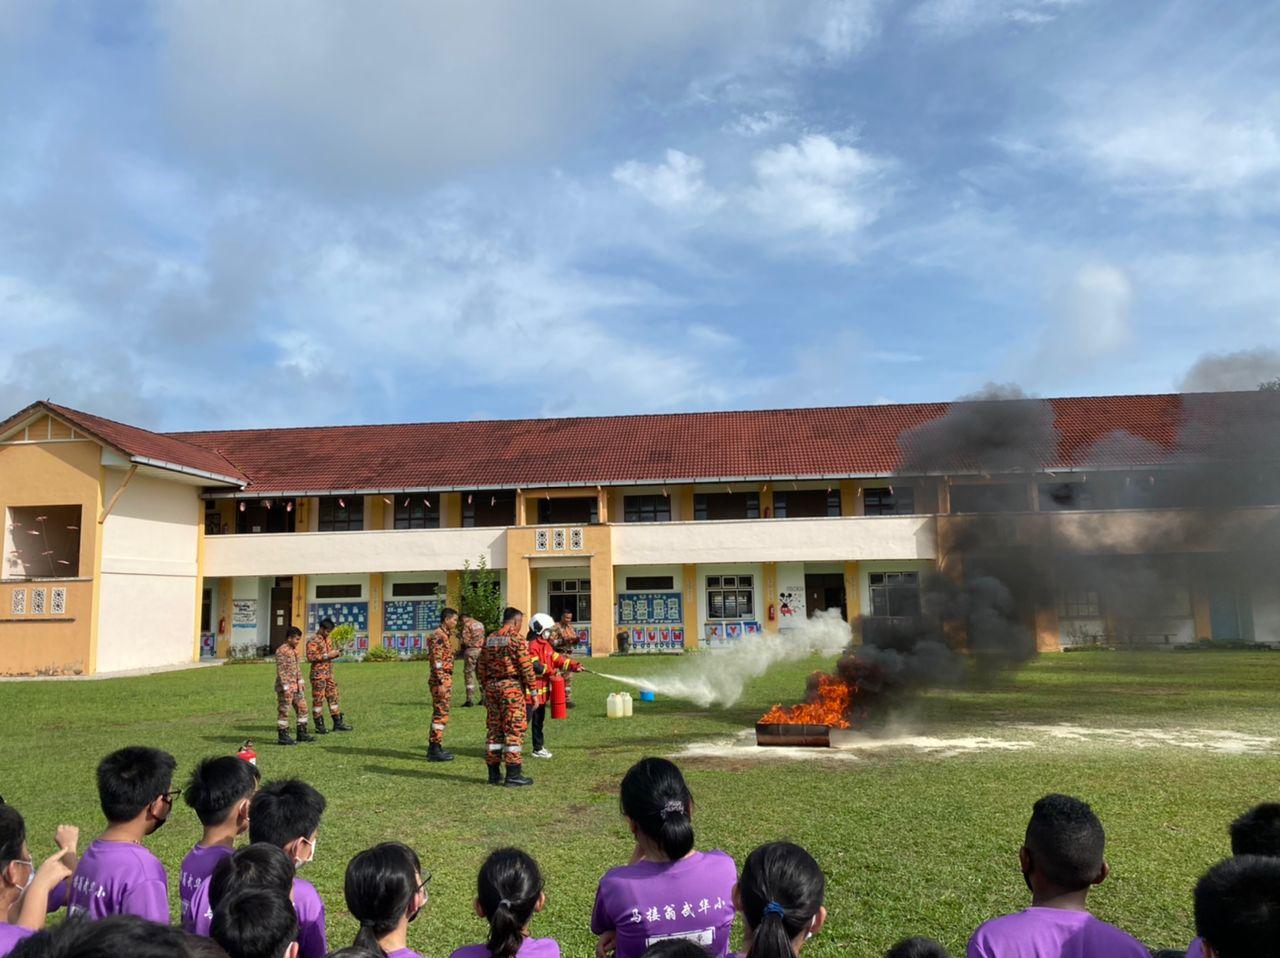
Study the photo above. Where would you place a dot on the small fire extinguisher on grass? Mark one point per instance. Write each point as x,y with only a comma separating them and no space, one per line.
247,753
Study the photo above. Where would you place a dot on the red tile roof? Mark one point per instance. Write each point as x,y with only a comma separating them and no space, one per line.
140,444
848,441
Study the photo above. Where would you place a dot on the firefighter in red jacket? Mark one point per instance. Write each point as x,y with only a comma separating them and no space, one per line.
506,671
546,662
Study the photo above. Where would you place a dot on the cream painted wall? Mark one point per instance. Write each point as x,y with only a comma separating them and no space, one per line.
318,553
147,611
775,540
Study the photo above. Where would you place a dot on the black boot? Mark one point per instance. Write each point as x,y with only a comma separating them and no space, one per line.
516,777
495,774
303,734
340,724
436,753
284,738
468,703
318,722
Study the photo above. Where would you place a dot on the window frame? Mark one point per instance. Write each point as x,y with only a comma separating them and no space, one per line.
352,513
576,589
416,514
889,500
719,589
891,585
635,507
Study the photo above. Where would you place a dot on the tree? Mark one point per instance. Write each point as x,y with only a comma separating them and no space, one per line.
1271,385
479,595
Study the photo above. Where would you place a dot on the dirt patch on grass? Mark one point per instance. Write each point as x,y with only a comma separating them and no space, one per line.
1221,741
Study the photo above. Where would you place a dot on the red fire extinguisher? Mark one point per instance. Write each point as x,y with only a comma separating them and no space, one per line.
247,753
773,612
559,710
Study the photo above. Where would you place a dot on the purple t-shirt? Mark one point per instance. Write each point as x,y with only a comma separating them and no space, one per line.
1196,948
529,948
10,935
1052,933
403,953
649,901
312,942
119,878
197,867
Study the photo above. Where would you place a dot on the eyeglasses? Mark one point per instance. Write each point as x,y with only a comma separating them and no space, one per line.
170,795
422,885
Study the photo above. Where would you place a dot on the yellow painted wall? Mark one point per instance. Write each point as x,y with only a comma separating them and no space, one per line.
298,601
850,500
597,548
222,614
769,595
853,599
1200,609
376,591
451,510
199,576
684,495
689,597
519,577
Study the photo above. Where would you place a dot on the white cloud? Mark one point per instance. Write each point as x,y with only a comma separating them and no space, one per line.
757,124
1181,144
675,185
817,185
951,18
1092,311
841,28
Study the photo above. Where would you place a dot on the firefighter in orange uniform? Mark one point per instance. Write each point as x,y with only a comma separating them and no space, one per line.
506,672
440,648
289,689
472,642
321,653
563,639
546,662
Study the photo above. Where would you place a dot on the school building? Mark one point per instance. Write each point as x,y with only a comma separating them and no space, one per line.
127,549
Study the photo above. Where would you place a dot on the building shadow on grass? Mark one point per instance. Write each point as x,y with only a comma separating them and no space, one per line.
410,755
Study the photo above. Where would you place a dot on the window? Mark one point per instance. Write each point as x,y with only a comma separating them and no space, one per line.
989,497
806,504
488,508
405,589
417,512
570,595
212,518
646,509
650,583
889,501
341,513
895,594
730,596
44,542
1078,604
576,509
1060,496
264,515
726,505
344,591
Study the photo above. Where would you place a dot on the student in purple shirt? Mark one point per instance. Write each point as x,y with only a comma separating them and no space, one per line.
256,923
285,814
674,948
669,890
116,874
385,891
219,791
24,888
508,894
780,899
1256,832
1237,906
116,936
1061,859
254,866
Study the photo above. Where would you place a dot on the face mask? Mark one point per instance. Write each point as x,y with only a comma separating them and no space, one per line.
31,872
299,862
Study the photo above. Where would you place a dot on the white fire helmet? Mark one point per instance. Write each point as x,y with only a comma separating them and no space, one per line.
541,622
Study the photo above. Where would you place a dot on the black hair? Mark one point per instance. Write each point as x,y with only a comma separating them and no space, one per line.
284,810
292,631
655,797
919,948
131,778
1065,842
254,923
675,948
509,613
781,889
1257,831
446,612
1237,907
198,946
13,834
326,623
508,888
351,951
254,866
217,785
108,937
379,888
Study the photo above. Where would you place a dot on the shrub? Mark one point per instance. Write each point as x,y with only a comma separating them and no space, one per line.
343,637
380,653
479,595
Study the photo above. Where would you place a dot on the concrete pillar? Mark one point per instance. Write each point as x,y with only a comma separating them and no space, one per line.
602,508
850,501
853,599
298,613
1048,630
1201,607
684,495
769,596
689,601
376,592
766,501
222,615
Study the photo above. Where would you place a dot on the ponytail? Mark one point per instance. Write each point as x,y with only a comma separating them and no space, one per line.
379,888
654,796
781,889
508,889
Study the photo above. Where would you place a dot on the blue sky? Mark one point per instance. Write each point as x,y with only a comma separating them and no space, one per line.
241,213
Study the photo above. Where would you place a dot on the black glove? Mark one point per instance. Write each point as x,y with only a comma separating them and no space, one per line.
538,667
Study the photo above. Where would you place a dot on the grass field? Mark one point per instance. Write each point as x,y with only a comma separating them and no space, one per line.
913,842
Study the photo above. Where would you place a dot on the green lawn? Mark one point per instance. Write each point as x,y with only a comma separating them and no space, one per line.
912,842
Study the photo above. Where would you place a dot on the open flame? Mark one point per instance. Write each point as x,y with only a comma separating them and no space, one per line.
829,704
